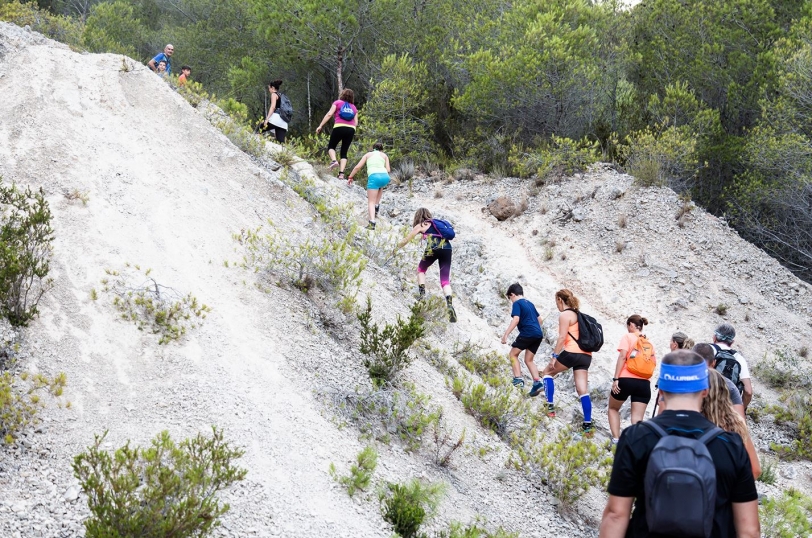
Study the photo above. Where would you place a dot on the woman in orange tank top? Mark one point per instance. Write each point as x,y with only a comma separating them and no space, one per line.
568,355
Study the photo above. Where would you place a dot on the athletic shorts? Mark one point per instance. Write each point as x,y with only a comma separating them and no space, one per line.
639,390
377,181
531,343
576,361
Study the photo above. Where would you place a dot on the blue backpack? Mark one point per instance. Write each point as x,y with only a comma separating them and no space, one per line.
444,228
346,112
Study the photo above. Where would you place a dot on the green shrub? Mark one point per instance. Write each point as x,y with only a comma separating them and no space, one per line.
166,490
387,349
559,156
474,530
332,263
568,465
154,307
25,251
473,358
498,407
797,412
445,443
768,472
666,157
360,471
400,411
407,506
20,400
242,137
787,516
783,370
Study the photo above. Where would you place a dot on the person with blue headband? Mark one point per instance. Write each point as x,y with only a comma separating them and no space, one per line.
660,464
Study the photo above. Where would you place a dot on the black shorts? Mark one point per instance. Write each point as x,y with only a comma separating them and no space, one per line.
531,343
639,390
576,361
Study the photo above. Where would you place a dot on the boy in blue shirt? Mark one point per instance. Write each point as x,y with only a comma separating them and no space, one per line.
525,316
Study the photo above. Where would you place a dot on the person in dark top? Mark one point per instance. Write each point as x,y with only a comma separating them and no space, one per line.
736,514
438,249
524,316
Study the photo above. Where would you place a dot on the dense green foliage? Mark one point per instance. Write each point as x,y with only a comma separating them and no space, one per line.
167,489
713,99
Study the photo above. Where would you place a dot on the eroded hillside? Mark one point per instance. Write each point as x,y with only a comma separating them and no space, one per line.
168,192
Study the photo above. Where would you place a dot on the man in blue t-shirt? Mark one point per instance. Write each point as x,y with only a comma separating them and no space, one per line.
164,56
524,316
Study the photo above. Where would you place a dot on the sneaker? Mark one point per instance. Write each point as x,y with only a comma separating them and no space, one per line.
452,314
333,164
341,176
537,387
588,429
551,410
518,382
371,225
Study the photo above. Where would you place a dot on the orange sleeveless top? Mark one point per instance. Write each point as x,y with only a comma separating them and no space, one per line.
570,344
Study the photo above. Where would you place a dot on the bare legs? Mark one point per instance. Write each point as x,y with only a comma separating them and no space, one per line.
528,361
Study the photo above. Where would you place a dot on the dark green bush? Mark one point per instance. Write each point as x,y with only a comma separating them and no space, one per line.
25,251
407,506
166,490
387,348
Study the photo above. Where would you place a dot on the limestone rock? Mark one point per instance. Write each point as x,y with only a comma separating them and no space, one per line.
502,208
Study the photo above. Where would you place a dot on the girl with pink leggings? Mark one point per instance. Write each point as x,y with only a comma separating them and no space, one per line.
437,249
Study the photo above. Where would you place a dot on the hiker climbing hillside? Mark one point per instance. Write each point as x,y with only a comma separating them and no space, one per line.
568,353
709,490
731,362
378,170
438,235
345,121
279,112
524,315
635,365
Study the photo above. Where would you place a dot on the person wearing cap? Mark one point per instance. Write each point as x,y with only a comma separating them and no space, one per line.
165,56
723,338
683,385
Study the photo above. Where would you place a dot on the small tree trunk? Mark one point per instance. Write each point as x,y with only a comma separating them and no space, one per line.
309,109
339,68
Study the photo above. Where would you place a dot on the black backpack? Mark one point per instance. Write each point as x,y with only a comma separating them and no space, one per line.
727,365
590,332
284,108
680,484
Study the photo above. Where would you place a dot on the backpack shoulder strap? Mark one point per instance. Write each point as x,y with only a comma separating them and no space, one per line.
716,349
656,428
711,434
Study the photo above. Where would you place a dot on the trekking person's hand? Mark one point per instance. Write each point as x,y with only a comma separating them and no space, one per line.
504,339
318,129
265,124
616,387
349,180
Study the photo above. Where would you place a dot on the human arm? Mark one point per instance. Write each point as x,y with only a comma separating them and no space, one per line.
330,114
357,168
388,168
751,451
420,228
563,329
514,321
745,519
615,519
621,360
747,395
152,64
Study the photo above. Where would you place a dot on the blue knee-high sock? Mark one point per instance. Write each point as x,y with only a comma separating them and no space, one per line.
549,388
586,404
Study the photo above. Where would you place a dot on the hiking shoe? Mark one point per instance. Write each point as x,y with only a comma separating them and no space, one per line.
537,387
333,164
341,176
551,410
588,429
518,382
371,225
452,314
